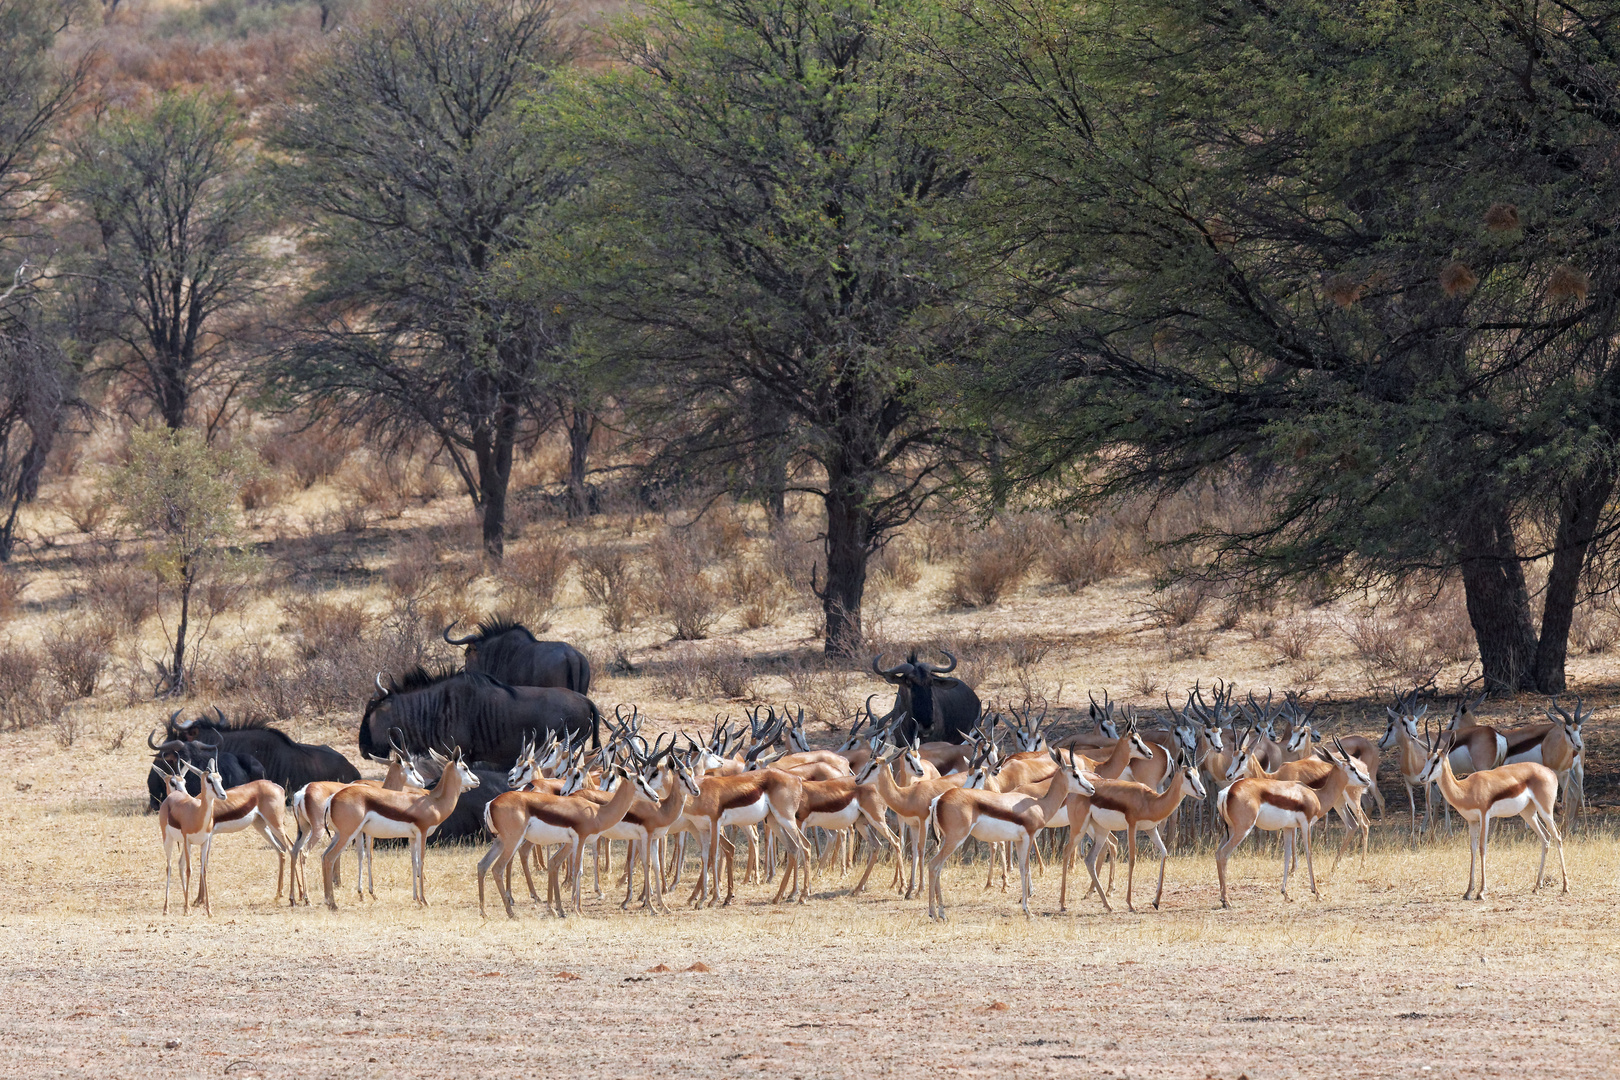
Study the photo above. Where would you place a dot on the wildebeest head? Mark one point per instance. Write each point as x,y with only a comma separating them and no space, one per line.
915,682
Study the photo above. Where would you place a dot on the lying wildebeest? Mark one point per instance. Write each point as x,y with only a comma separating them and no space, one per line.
487,718
504,650
234,769
288,763
929,706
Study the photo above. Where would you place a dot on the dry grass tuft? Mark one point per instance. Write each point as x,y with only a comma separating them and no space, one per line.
1081,555
994,562
531,576
74,655
686,594
20,669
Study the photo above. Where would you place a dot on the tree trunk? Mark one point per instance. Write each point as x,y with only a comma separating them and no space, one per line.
1577,522
847,546
492,448
1498,600
580,425
172,396
177,671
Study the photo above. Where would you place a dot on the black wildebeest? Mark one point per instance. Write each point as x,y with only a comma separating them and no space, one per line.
488,719
504,650
288,763
929,705
234,769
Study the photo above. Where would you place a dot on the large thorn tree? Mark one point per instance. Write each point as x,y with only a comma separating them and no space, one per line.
1363,260
765,257
407,148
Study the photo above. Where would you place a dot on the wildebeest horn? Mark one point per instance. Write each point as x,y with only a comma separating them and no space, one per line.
221,714
885,673
150,737
381,689
448,640
944,670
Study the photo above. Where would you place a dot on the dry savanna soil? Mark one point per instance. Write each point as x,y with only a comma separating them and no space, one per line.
1389,973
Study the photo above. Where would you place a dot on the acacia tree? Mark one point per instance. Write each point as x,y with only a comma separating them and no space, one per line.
178,210
1362,260
182,497
406,147
36,380
763,259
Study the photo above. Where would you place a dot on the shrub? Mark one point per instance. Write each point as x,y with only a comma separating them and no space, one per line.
1082,555
533,574
75,655
993,563
716,673
1594,629
19,686
309,454
87,512
759,590
895,565
1177,604
414,567
613,586
125,592
11,587
686,595
1295,638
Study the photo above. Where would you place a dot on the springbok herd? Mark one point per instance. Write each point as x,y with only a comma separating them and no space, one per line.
1251,765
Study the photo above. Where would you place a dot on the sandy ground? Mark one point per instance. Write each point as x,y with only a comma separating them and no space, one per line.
1390,973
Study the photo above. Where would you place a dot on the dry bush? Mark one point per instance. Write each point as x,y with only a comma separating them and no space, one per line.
87,511
414,567
611,581
1595,628
1186,642
1145,682
723,672
309,455
11,587
994,562
1082,554
825,691
1390,653
1295,638
19,687
74,655
323,627
943,541
532,575
759,590
123,591
894,567
1260,625
1177,604
685,594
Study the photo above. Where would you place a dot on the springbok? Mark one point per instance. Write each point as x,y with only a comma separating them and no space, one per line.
374,812
1525,790
189,821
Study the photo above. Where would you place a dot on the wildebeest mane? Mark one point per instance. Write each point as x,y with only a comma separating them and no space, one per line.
503,624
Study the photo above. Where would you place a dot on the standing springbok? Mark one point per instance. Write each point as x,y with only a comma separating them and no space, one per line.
374,812
1410,754
1525,790
1117,805
189,821
998,817
254,805
309,811
1284,806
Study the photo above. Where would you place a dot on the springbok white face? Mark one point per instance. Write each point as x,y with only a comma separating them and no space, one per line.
913,762
573,781
1357,771
174,781
1299,739
1078,781
412,776
1186,738
1572,732
1139,746
687,780
1193,781
869,771
1213,736
210,776
469,779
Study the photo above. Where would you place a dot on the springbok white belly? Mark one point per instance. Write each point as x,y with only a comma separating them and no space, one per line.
837,819
1107,820
747,814
1531,754
1059,820
1275,818
382,828
996,831
538,832
1511,807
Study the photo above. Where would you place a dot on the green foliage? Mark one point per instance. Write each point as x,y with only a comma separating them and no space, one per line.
1358,257
760,255
408,153
182,496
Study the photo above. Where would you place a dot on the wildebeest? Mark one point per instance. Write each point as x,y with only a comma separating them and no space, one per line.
234,769
505,650
288,763
928,705
487,718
